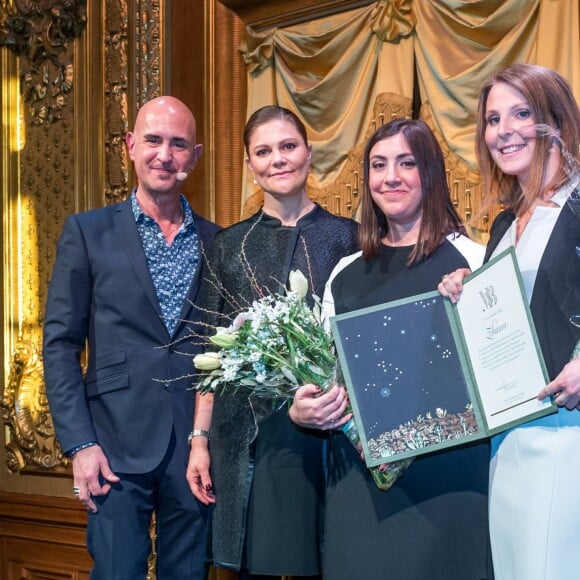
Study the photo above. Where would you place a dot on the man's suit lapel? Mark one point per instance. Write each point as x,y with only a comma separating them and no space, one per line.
129,236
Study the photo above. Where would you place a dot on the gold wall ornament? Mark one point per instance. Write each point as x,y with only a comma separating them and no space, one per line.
465,184
32,445
265,14
149,54
40,31
116,119
128,87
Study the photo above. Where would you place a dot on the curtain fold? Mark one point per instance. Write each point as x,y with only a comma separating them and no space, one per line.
334,71
457,48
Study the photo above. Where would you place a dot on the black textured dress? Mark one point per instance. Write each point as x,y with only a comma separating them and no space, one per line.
267,473
432,524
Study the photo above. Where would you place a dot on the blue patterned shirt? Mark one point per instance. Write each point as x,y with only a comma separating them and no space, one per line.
171,266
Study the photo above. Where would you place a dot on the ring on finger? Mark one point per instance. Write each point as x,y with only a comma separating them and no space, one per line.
76,491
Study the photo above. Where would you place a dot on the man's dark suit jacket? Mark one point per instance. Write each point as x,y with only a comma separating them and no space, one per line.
101,294
556,295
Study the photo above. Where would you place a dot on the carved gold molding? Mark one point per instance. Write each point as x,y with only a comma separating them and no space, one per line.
32,443
150,15
116,82
41,31
264,14
39,188
465,184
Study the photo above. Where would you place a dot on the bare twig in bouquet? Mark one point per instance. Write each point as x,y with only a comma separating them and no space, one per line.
273,347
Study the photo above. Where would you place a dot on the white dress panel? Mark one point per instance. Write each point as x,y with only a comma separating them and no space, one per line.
535,468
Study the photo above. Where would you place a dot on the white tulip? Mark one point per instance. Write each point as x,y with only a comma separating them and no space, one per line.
298,283
208,361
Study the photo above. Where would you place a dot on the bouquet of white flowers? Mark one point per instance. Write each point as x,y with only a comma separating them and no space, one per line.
274,347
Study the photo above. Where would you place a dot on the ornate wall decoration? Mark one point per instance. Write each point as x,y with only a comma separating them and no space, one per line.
465,184
147,54
38,194
116,100
148,49
25,410
41,31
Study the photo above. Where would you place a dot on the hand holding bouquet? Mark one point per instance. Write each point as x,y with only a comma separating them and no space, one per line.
274,347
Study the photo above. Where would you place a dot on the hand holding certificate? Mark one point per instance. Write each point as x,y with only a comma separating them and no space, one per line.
424,374
501,345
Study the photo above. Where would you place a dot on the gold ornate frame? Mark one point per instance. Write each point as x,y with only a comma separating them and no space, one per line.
262,14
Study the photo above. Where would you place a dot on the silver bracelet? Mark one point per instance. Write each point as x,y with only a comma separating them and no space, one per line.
197,433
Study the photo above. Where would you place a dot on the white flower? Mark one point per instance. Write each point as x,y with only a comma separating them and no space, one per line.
224,339
271,347
208,361
298,283
230,375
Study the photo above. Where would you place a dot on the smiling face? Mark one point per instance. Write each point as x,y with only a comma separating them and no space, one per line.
509,130
395,183
163,145
279,158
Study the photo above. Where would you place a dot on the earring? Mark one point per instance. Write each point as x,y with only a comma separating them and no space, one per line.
255,180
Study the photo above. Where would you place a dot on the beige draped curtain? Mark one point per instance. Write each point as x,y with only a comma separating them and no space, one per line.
346,74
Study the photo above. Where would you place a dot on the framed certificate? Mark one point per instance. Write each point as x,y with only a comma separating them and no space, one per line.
424,374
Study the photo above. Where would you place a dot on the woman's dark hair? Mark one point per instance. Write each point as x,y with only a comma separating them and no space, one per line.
271,113
438,216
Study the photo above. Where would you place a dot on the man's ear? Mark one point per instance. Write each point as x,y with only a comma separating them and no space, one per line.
197,153
130,142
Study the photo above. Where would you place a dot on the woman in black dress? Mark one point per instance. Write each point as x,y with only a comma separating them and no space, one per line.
433,522
266,472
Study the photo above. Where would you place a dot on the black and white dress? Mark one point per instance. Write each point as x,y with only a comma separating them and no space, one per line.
432,524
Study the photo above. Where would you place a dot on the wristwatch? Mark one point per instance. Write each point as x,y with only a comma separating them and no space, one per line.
197,433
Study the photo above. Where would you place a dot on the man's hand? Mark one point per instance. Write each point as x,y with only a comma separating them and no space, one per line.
315,411
197,474
90,466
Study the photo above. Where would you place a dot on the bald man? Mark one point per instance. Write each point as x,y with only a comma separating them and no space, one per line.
125,283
